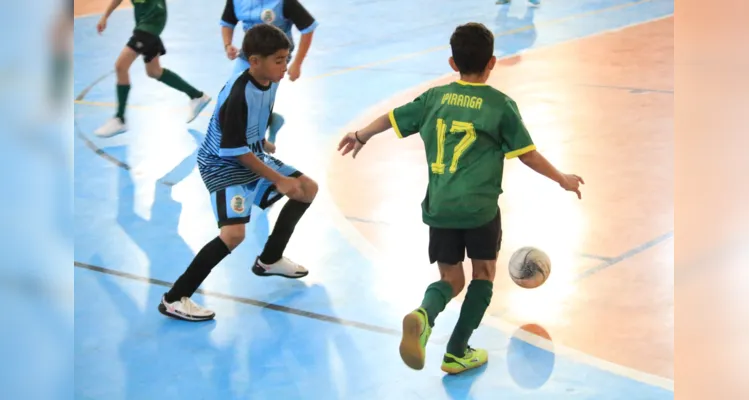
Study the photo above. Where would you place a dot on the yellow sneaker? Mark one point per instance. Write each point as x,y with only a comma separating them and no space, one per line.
473,358
416,331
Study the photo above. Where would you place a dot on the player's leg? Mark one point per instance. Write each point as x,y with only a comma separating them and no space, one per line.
116,125
232,213
153,48
482,245
447,249
271,261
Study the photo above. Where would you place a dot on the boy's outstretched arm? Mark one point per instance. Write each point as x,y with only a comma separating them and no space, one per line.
356,140
540,164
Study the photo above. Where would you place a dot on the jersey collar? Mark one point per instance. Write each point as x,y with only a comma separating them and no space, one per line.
464,83
256,83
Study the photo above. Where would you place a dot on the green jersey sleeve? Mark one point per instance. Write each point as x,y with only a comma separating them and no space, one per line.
408,118
516,140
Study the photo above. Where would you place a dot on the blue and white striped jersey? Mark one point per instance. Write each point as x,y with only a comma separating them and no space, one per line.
237,127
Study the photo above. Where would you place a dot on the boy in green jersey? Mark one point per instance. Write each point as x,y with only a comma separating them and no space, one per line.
150,19
468,129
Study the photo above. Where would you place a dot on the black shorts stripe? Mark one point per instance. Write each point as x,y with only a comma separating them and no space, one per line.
267,201
221,205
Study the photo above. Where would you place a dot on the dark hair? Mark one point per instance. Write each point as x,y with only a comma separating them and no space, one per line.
473,46
263,40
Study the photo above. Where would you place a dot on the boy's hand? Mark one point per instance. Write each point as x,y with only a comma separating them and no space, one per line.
231,52
295,70
350,142
572,183
102,25
290,187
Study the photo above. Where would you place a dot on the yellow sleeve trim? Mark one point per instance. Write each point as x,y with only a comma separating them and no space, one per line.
397,130
520,152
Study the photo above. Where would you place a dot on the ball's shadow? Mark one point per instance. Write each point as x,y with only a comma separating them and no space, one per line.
530,364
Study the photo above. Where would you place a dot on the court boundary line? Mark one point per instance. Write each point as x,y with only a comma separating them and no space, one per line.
82,95
624,256
97,150
243,300
631,90
367,249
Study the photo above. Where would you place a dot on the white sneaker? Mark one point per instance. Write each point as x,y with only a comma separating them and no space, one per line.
283,267
112,127
185,309
197,105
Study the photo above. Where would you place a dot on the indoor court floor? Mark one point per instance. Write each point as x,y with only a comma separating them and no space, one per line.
594,82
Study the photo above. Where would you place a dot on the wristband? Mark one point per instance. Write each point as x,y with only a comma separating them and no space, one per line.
356,135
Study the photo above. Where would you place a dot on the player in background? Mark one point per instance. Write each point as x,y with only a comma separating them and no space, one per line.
468,129
282,13
150,20
533,3
238,173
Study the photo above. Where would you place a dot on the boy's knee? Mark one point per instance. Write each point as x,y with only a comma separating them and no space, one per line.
310,189
232,235
484,269
121,66
154,73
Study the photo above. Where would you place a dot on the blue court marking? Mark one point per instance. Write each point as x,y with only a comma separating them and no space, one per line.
627,254
149,222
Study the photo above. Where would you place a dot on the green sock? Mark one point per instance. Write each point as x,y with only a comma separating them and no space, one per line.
173,80
122,91
436,297
477,299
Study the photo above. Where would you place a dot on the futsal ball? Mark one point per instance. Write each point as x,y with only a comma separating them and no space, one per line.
529,267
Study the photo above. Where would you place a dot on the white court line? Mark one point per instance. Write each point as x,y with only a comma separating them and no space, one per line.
356,239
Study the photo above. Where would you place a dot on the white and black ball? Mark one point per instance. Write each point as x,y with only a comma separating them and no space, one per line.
529,267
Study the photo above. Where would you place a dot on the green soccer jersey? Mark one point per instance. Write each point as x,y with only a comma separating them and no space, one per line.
150,15
468,130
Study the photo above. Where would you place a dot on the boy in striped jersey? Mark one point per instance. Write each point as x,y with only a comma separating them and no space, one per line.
238,172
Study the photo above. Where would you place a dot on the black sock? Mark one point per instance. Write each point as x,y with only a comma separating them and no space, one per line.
289,216
208,257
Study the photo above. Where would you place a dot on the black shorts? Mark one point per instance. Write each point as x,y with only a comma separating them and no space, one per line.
146,44
449,246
